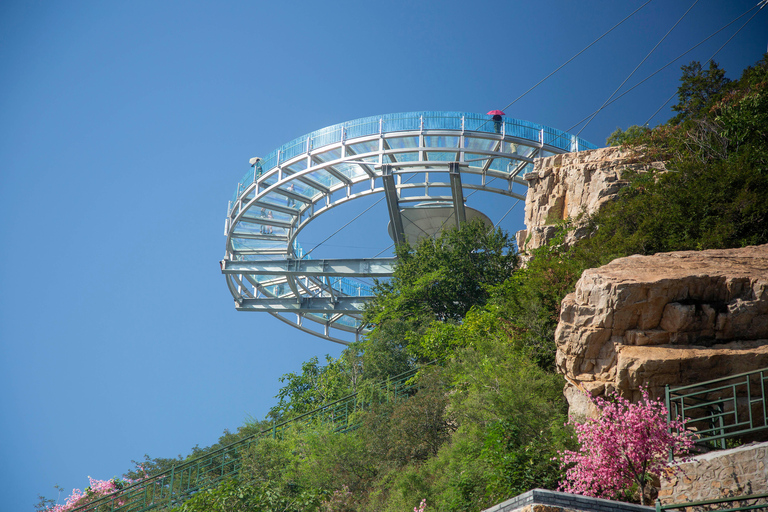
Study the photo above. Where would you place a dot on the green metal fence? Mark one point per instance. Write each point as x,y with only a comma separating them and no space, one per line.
722,408
174,486
734,503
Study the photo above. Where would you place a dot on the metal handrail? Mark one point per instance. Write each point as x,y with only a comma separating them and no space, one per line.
175,485
661,508
722,408
411,121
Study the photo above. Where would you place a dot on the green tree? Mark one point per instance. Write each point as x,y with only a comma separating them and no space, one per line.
437,281
698,88
317,384
620,137
442,278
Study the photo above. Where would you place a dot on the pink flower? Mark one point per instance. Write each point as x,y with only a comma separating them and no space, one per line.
626,444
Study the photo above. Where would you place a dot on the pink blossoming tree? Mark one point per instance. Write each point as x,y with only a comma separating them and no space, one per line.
627,444
96,490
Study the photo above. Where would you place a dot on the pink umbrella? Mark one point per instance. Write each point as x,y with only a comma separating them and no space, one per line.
495,113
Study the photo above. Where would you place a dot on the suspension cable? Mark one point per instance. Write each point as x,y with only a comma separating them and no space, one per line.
637,67
582,51
762,4
689,50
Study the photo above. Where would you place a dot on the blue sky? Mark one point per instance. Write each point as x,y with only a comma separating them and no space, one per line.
125,128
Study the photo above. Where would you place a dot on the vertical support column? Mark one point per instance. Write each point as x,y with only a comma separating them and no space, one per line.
421,138
459,212
393,205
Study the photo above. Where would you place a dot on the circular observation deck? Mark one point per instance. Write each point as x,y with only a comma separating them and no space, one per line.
417,160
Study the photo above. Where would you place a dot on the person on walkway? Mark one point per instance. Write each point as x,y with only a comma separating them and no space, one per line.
256,164
263,215
497,123
291,201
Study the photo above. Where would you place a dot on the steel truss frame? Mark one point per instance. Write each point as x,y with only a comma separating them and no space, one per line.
265,270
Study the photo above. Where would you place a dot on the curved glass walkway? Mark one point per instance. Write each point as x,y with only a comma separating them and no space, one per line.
414,158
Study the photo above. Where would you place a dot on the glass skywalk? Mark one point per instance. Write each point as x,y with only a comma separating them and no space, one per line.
417,157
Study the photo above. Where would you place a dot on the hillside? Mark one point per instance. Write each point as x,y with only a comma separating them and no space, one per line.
486,417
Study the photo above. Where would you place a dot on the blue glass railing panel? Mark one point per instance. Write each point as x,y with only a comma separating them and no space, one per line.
330,135
403,142
362,127
441,156
557,138
327,156
350,170
482,144
476,160
526,169
246,244
290,150
501,164
440,121
480,123
324,177
519,149
401,122
365,147
409,121
298,166
585,145
522,129
405,157
441,141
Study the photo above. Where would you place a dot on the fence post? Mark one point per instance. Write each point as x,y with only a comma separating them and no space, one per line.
669,419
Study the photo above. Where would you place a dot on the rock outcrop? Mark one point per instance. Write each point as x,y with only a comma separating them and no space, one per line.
564,186
674,318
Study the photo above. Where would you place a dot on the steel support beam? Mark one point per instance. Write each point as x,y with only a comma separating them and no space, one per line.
339,304
379,267
456,192
393,205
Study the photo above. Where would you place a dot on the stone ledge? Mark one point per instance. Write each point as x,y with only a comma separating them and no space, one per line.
565,501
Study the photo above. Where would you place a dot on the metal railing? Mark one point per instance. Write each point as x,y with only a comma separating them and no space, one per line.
411,121
722,408
182,481
760,502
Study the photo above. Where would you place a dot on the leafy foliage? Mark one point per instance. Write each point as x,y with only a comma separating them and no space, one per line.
697,90
486,422
714,193
442,278
620,137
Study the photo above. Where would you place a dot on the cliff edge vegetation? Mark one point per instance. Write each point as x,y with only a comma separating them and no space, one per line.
488,417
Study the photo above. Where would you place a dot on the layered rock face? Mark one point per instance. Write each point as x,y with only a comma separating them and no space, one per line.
674,318
563,186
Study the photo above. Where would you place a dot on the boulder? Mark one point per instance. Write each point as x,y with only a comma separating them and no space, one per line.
674,318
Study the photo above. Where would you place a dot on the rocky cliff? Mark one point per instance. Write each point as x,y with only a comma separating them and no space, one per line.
674,318
564,186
